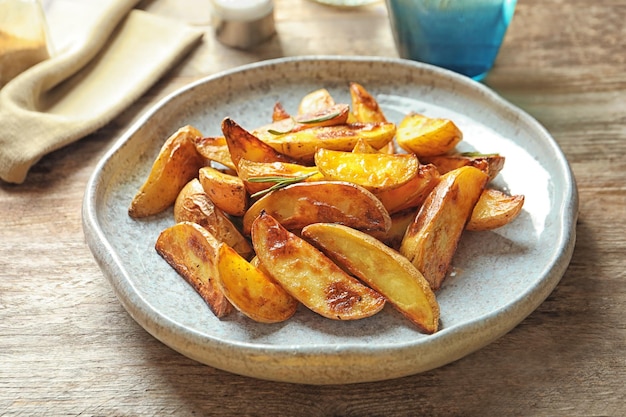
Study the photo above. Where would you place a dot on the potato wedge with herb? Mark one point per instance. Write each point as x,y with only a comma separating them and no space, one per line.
426,136
432,238
226,191
177,163
301,145
381,268
303,203
373,171
252,291
194,205
192,251
412,193
494,209
260,176
243,144
492,164
310,276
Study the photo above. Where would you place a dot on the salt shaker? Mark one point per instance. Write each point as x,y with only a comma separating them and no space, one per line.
243,23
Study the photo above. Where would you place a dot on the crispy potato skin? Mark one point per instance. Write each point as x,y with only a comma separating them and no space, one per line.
177,163
494,209
250,290
431,240
413,192
365,108
309,276
227,192
491,164
381,268
194,205
214,149
301,204
425,136
243,144
192,251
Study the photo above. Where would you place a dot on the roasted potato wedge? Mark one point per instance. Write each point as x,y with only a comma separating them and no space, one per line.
250,290
301,204
381,268
301,145
365,108
243,144
412,193
310,276
492,164
426,136
494,209
177,163
399,223
373,171
252,174
227,192
194,205
315,101
192,251
279,112
214,149
431,240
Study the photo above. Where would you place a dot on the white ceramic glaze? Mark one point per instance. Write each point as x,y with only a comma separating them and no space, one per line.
499,277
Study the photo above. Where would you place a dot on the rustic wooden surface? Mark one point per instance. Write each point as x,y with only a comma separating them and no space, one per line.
67,346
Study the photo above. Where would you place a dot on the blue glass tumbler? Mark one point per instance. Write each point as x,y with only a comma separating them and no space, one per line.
461,35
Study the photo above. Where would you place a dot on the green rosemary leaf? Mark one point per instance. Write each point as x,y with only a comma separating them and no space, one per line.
280,182
320,119
478,154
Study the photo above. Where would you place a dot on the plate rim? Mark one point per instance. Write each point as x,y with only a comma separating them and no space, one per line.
140,309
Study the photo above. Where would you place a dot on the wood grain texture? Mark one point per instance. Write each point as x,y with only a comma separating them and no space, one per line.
67,347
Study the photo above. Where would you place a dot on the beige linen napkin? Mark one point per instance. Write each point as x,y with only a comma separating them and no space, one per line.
87,84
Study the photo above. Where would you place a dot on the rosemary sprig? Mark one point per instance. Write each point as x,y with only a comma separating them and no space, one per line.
478,154
280,182
295,121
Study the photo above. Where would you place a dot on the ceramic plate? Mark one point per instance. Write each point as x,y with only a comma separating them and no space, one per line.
498,277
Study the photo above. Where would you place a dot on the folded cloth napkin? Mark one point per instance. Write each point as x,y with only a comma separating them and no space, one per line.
87,84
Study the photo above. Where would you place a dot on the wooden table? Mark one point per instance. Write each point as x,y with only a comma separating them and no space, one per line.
67,346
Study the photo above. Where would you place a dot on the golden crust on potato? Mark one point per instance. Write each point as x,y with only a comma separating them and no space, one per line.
310,276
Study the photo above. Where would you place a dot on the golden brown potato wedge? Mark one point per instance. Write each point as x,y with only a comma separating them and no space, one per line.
310,276
243,144
412,193
373,171
301,145
431,240
250,290
226,191
301,204
315,101
214,149
192,251
330,116
177,163
494,209
381,268
492,164
194,205
425,136
279,112
399,223
362,146
252,174
365,108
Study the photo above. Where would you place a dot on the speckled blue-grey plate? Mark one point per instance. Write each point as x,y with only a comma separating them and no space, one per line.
498,277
